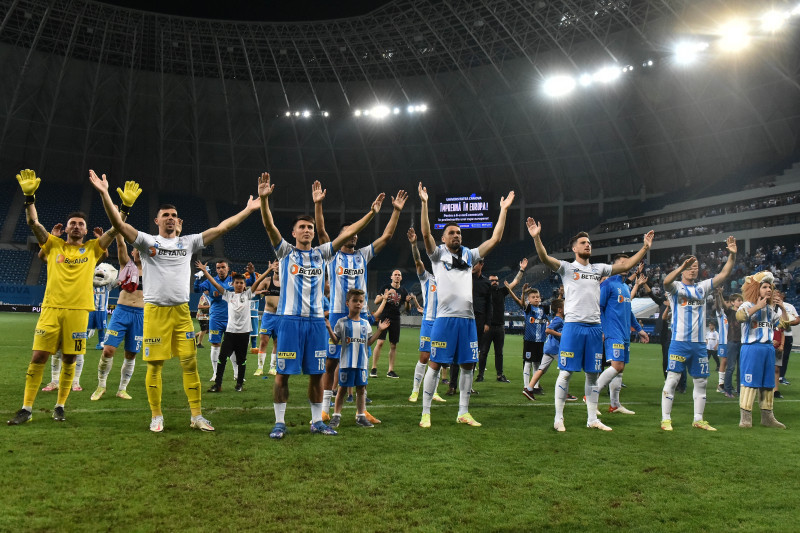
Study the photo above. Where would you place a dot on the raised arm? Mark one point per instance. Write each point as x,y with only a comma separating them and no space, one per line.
265,189
28,182
228,224
398,202
672,276
261,278
514,296
632,261
425,223
203,268
412,238
641,279
497,235
522,266
383,299
122,250
114,216
318,195
382,326
535,231
354,229
727,268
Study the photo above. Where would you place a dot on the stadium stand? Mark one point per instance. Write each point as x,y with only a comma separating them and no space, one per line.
15,266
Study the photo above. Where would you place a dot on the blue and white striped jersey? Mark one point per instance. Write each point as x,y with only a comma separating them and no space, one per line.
302,279
689,310
722,326
101,298
353,336
759,327
348,271
429,295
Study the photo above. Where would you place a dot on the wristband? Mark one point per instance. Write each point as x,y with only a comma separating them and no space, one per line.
125,209
521,271
29,200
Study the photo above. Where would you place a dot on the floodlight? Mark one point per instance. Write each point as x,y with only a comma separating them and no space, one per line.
607,74
366,112
357,113
734,36
380,111
687,52
423,108
559,86
396,110
796,11
325,114
773,21
306,114
585,80
297,113
410,109
288,113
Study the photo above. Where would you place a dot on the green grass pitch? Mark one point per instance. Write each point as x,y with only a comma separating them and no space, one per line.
102,470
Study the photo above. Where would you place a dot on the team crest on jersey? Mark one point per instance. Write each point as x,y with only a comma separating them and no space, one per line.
81,250
281,365
748,378
331,348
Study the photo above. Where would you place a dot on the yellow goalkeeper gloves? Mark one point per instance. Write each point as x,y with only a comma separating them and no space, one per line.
29,183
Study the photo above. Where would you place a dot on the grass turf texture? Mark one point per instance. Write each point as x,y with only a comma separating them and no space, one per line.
103,470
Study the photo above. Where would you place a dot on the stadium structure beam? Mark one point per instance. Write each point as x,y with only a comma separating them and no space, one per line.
231,144
195,130
257,100
90,123
128,92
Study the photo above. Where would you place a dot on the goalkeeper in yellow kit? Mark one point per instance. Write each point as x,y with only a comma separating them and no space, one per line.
68,298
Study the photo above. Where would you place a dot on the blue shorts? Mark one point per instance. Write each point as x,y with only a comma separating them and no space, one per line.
617,350
693,353
126,322
352,377
757,365
425,336
216,328
301,345
581,348
269,325
97,320
454,340
722,350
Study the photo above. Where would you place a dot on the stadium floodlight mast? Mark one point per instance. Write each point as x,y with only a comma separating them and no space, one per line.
557,86
607,74
734,36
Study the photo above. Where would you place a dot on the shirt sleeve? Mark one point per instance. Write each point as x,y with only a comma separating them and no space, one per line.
436,256
671,288
227,296
423,277
605,269
327,251
635,323
707,286
283,249
338,330
143,241
476,255
562,268
603,294
367,252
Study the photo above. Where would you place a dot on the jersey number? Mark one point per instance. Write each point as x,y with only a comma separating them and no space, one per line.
78,345
320,364
704,368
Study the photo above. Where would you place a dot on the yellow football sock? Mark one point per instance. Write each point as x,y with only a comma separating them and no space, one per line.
153,381
747,395
32,381
766,399
65,381
191,383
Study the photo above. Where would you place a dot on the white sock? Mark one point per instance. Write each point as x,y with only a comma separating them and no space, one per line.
699,394
235,367
90,333
214,359
316,412
721,378
429,384
126,373
273,358
78,369
606,377
668,394
419,373
614,387
326,401
562,389
280,412
592,396
465,383
103,369
262,357
55,366
526,372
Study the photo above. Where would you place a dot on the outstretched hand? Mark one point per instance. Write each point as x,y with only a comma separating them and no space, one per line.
317,192
399,201
506,201
201,266
688,263
98,232
101,184
376,205
523,264
534,228
130,194
253,203
648,238
28,181
57,230
423,192
412,235
731,242
384,324
265,188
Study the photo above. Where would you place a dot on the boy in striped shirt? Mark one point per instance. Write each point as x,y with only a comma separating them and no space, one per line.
688,349
354,334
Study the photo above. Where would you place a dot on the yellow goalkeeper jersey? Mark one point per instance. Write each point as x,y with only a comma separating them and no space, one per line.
70,270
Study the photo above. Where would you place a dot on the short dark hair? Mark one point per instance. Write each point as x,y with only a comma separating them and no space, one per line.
78,214
574,239
619,256
236,276
164,207
557,304
344,225
305,218
682,259
353,293
218,261
533,290
448,225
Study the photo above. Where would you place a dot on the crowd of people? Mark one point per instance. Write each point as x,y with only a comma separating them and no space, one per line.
319,323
